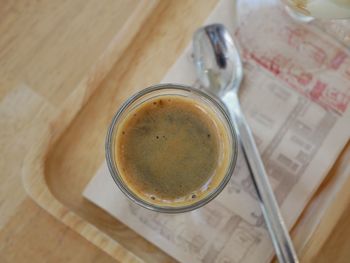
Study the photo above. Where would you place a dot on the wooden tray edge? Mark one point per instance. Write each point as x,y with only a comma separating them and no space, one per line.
33,171
331,215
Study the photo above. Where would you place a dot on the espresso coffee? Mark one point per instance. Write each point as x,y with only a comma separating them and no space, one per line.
171,149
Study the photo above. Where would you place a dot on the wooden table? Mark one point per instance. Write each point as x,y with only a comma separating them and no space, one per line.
46,47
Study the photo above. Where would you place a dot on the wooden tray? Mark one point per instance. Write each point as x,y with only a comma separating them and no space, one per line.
72,144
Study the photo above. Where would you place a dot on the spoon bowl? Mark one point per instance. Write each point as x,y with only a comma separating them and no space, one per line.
217,60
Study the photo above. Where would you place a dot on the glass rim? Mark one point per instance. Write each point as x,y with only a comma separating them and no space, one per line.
117,177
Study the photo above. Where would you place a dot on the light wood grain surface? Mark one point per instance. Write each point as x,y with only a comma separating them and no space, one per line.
46,49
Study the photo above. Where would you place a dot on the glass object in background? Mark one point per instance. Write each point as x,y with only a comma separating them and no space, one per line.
324,9
332,16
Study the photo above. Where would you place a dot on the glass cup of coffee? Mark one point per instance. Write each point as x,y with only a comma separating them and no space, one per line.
171,148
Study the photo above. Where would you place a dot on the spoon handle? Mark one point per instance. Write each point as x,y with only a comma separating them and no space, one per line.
280,237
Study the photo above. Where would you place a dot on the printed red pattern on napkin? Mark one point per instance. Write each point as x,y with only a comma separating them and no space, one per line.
303,57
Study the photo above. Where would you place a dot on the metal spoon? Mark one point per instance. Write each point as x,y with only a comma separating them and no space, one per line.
220,72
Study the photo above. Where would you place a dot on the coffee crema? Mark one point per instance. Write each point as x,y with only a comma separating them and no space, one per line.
172,149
